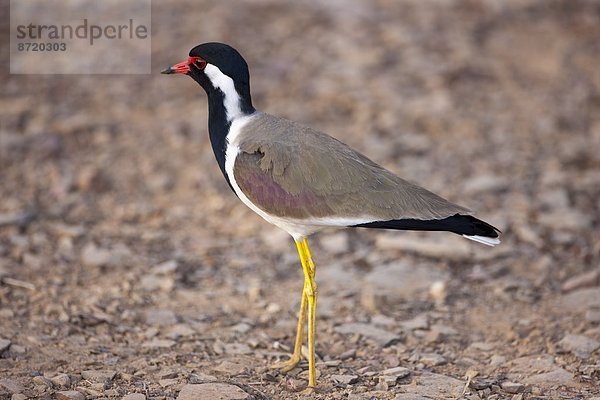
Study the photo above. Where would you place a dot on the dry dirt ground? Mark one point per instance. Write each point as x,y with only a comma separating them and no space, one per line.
127,265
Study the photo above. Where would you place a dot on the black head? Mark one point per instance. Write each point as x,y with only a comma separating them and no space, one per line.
224,57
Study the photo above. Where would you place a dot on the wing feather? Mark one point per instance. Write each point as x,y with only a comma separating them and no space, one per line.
290,170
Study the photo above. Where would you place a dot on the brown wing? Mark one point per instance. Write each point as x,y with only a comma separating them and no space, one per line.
293,171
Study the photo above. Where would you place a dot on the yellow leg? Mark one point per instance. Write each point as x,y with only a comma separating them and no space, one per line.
310,289
290,364
309,301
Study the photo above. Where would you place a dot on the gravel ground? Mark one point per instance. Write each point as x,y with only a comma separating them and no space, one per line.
128,268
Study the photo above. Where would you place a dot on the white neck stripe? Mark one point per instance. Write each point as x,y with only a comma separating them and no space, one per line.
225,84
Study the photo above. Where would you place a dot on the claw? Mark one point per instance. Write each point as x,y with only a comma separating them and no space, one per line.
288,365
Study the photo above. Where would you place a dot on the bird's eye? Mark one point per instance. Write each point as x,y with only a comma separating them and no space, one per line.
198,62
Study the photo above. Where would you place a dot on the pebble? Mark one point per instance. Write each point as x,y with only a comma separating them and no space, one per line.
99,376
62,380
586,279
167,382
237,348
497,360
572,219
160,317
16,349
70,395
134,396
4,345
152,282
178,331
444,247
18,396
93,256
398,372
485,183
432,386
581,346
512,387
592,316
165,268
432,359
543,362
418,322
159,344
553,378
40,380
398,281
348,354
345,379
11,385
213,391
579,300
378,335
482,346
386,381
229,368
335,243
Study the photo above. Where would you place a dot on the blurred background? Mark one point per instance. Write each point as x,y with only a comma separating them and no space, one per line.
122,247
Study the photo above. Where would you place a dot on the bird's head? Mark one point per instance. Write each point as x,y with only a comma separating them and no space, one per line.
216,67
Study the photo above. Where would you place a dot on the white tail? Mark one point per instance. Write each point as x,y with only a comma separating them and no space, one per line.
482,239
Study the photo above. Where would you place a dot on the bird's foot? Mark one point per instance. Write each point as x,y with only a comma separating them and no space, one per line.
288,365
308,390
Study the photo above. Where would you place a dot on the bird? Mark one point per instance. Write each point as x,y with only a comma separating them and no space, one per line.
303,181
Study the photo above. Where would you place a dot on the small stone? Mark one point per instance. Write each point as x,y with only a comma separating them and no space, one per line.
159,344
553,378
99,376
16,349
11,385
167,382
229,368
40,380
200,377
152,282
237,348
345,379
70,395
432,386
4,345
447,248
216,391
61,380
387,381
418,322
93,256
486,183
432,359
134,396
512,387
587,279
241,327
497,360
18,396
592,316
398,372
159,317
580,345
165,268
178,331
335,243
483,346
348,354
380,336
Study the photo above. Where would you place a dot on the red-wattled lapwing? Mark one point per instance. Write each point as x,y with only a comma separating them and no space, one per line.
303,181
